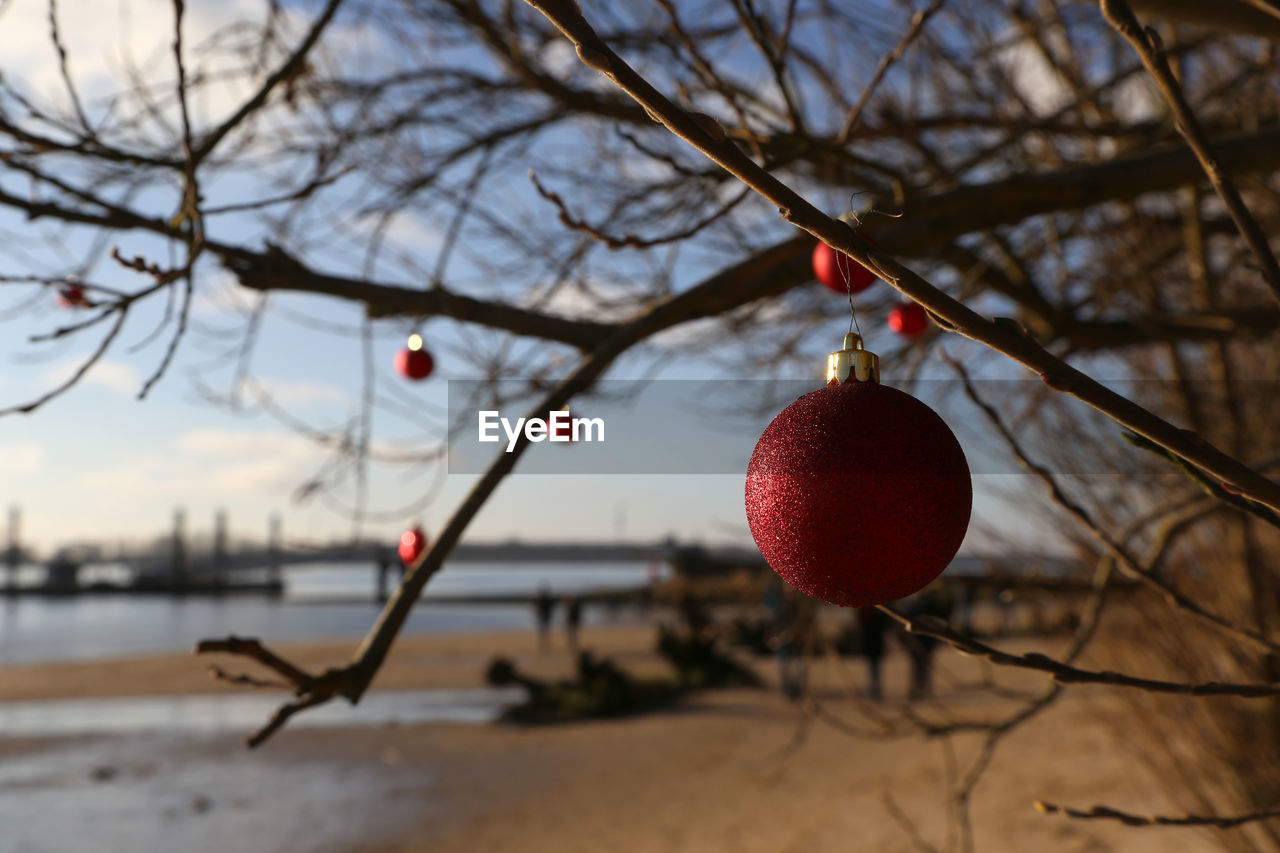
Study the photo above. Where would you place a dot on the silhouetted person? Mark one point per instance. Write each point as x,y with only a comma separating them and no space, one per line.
919,647
572,620
792,639
872,627
963,596
384,571
62,574
695,616
543,607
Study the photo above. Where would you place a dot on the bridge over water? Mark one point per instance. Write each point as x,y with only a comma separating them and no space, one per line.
320,557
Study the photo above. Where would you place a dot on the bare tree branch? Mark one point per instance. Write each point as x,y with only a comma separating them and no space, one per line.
288,69
1129,819
1150,50
1067,674
918,21
1059,375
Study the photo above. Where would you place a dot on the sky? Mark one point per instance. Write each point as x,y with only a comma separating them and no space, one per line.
98,464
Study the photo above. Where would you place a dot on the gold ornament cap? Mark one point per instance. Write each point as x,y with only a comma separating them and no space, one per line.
852,363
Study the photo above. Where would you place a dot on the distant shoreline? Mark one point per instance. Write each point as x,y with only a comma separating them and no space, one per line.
417,661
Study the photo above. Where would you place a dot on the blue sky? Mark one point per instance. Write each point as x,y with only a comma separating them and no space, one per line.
98,464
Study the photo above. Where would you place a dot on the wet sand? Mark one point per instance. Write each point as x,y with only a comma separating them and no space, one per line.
416,661
725,770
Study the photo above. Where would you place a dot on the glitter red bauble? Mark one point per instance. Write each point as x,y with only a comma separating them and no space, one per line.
561,430
909,320
72,296
858,494
412,545
414,363
829,272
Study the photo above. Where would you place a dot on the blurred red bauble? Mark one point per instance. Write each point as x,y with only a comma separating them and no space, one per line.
413,543
72,296
414,362
858,494
562,427
909,320
828,270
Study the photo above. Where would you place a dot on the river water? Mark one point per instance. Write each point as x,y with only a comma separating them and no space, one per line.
204,793
321,601
169,772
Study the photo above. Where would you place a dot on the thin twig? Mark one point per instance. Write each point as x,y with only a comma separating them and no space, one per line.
1150,50
282,715
917,25
94,358
631,241
253,649
55,36
906,824
1209,486
1129,819
1065,673
1126,561
290,68
244,679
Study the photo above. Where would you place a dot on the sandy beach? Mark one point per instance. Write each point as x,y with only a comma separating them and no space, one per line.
725,770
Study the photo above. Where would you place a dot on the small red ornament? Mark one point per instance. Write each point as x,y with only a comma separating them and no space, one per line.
858,493
909,320
414,362
413,544
71,295
561,427
830,266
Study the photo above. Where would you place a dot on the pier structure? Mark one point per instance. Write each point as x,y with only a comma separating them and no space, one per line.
13,550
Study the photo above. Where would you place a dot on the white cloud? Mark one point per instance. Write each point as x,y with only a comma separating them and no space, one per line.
102,39
269,473
119,377
137,478
1137,99
560,59
237,462
113,375
1037,82
408,232
21,458
216,463
579,303
221,298
296,393
239,442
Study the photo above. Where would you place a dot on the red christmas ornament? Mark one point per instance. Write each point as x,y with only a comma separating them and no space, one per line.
909,320
414,362
562,428
830,266
72,296
858,493
413,544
